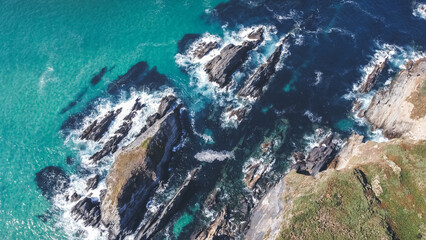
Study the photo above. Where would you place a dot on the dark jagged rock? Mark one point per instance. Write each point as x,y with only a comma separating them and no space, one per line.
253,173
187,41
318,158
92,183
112,145
204,48
218,229
373,77
166,104
163,215
102,195
136,173
88,210
256,35
97,78
52,180
253,87
231,57
75,197
96,130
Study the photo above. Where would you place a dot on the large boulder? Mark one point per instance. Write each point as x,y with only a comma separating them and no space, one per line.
52,180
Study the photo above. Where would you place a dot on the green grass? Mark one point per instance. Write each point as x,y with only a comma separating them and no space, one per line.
336,206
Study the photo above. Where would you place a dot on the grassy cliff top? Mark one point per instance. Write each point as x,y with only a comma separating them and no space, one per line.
382,198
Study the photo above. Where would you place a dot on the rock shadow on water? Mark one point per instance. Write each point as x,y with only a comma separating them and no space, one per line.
138,77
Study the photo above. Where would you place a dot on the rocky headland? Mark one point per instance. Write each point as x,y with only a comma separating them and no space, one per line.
369,190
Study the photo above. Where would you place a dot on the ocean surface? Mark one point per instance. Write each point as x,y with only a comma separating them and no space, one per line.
50,50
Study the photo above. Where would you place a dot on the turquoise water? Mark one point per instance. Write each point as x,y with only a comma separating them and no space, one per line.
49,52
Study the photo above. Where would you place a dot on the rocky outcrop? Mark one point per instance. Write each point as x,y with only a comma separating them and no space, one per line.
165,212
218,229
186,41
137,171
253,172
231,57
317,159
166,104
399,110
92,183
112,145
257,81
97,78
373,77
204,48
96,130
87,210
52,180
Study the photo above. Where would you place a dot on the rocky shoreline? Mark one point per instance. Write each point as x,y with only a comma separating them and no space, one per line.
298,206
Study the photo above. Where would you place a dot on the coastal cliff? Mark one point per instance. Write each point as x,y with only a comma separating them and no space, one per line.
370,190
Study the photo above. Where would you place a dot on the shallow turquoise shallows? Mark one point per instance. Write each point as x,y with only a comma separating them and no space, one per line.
49,50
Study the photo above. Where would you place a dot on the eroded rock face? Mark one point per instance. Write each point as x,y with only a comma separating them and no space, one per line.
87,210
165,212
231,57
52,180
137,171
392,109
373,77
254,85
204,48
318,158
92,182
218,229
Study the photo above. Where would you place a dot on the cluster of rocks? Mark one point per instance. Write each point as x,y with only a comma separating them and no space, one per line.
231,57
317,159
111,146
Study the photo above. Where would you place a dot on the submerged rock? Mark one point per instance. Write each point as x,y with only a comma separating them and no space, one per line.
52,180
96,130
231,57
187,40
137,171
97,78
163,215
87,210
318,158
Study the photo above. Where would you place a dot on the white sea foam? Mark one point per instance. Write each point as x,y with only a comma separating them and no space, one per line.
211,156
314,118
420,10
47,76
318,78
